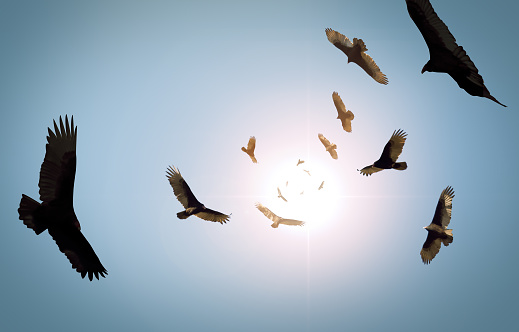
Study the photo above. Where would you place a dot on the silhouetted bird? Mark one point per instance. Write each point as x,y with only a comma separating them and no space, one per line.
389,156
299,161
56,212
281,196
321,186
185,196
278,220
445,55
355,53
344,115
329,147
250,148
437,231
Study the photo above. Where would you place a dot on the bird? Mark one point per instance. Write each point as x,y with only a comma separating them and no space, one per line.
188,200
445,54
278,220
56,212
356,53
389,156
299,161
437,232
321,186
281,196
344,115
250,149
329,147
308,172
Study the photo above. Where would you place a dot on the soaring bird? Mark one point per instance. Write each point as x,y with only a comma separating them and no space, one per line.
437,232
299,161
321,186
56,212
192,206
344,115
307,172
356,53
281,196
278,220
445,55
329,147
389,156
250,149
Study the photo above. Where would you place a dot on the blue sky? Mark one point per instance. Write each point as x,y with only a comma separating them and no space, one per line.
158,83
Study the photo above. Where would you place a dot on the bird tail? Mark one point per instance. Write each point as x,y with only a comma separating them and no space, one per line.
400,166
182,215
26,211
449,238
275,224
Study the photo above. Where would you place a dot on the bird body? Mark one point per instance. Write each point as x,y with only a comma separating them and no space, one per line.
188,200
342,114
388,159
356,53
56,212
251,145
446,56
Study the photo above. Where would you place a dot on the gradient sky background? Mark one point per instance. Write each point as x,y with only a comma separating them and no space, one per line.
158,83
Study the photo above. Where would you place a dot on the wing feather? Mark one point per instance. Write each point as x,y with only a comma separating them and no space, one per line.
396,144
442,215
212,215
430,248
181,189
269,214
368,170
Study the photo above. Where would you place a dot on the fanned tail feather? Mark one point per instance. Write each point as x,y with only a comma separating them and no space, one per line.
26,211
400,166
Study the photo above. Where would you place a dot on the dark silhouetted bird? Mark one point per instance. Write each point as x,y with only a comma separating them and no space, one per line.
278,220
188,200
250,148
445,55
437,232
56,212
389,156
299,161
344,115
281,196
321,186
329,147
356,53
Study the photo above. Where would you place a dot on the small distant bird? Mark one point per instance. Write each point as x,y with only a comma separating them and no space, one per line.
281,196
321,186
302,192
355,53
344,115
300,162
307,171
286,185
250,149
329,147
56,212
389,156
278,220
188,200
437,232
445,55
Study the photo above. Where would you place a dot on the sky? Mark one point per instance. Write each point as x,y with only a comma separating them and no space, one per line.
158,83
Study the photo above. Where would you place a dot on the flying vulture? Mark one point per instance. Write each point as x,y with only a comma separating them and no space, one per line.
344,115
307,172
321,186
56,212
437,231
356,53
445,55
299,161
281,196
250,149
278,220
186,197
329,147
389,156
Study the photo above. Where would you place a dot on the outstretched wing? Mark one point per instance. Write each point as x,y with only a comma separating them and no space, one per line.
182,191
212,215
291,222
368,64
442,215
430,248
339,40
269,214
75,246
368,170
58,169
323,140
394,147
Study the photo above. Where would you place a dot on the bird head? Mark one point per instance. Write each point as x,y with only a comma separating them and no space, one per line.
427,67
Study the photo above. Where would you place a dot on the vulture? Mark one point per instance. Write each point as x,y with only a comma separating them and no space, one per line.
278,220
329,147
391,152
445,55
56,212
299,161
344,115
437,232
356,53
186,197
321,186
307,172
250,149
281,196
